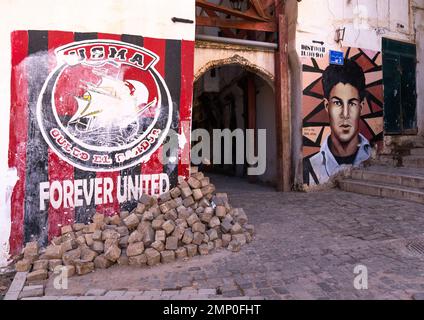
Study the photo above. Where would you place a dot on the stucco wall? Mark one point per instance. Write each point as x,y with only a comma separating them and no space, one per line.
147,18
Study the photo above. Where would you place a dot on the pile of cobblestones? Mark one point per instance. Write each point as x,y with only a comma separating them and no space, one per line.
189,220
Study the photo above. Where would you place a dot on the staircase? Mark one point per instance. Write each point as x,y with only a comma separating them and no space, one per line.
398,177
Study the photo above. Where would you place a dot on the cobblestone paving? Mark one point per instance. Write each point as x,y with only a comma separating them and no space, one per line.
306,247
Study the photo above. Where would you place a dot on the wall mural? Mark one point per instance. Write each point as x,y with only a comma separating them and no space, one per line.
342,113
90,113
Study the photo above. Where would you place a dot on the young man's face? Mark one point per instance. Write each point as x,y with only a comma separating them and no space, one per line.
344,108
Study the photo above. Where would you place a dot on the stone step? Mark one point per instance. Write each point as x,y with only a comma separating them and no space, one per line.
413,161
386,160
382,190
396,176
417,152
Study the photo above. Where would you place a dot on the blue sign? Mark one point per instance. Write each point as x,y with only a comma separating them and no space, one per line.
336,57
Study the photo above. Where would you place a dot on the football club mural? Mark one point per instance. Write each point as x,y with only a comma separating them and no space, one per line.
342,112
89,118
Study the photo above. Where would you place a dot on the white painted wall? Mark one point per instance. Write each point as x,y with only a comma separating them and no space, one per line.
139,17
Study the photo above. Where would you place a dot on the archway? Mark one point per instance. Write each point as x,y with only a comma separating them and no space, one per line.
237,97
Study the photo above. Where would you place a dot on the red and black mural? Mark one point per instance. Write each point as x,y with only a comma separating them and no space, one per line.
90,113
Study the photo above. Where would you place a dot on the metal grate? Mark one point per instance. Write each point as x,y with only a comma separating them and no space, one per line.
416,247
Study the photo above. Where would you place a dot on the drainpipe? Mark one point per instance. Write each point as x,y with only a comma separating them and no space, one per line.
249,43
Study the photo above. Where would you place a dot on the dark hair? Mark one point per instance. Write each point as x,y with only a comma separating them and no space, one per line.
349,73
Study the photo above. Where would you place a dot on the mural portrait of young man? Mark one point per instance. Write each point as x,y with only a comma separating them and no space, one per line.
343,117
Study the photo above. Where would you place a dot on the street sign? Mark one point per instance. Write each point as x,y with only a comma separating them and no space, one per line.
336,57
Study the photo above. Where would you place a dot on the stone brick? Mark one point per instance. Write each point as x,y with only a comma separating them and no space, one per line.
78,227
178,232
213,235
183,213
158,246
211,245
167,256
141,207
84,267
192,219
240,216
56,241
89,239
98,246
241,238
135,249
66,229
90,228
205,238
147,200
165,197
186,192
23,265
70,256
226,226
124,214
98,218
171,243
181,253
31,250
207,215
115,220
168,227
160,235
54,252
148,216
250,228
81,241
68,270
191,250
193,183
37,275
218,243
88,254
198,227
248,236
69,245
148,234
113,253
132,221
220,211
208,190
110,234
226,239
136,236
153,257
187,237
214,222
54,263
155,211
175,192
199,211
139,261
181,223
187,202
236,228
203,249
40,265
234,246
171,215
198,238
100,262
157,224
97,235
197,194
123,231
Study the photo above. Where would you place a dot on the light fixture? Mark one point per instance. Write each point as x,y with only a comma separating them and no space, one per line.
236,4
340,34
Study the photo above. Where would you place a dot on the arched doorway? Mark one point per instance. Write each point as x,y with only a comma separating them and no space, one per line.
235,98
